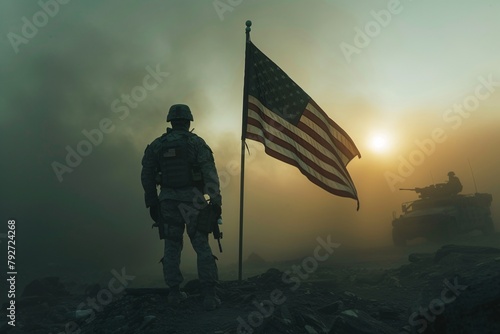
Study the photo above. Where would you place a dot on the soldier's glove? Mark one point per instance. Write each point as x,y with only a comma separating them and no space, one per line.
154,212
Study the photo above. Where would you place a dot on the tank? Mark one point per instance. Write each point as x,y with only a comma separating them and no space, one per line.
439,214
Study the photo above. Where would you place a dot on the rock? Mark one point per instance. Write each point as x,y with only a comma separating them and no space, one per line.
350,295
371,277
286,315
48,286
474,310
271,276
146,291
310,330
39,301
295,320
331,308
82,313
471,250
116,321
405,329
394,280
58,313
124,329
459,260
359,322
420,257
388,313
310,319
92,289
255,260
147,321
248,298
406,270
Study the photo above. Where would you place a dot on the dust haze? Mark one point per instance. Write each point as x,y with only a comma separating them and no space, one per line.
66,78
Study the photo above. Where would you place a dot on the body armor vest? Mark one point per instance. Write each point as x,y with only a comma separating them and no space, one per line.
178,168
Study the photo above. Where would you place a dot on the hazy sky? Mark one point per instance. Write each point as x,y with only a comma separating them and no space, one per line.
414,83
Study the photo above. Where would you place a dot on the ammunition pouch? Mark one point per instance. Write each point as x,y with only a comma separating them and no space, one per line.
164,232
162,225
164,229
207,217
197,177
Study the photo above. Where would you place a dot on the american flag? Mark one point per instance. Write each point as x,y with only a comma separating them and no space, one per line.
293,128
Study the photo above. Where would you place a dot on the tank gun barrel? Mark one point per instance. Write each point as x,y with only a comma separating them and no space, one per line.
412,189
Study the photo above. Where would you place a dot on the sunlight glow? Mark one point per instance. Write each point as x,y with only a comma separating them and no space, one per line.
380,143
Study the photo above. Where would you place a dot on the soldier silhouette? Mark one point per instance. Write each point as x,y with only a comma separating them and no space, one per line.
183,165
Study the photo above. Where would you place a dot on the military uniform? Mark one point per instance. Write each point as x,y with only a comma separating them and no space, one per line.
188,172
454,185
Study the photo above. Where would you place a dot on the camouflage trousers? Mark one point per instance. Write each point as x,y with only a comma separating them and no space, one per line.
176,222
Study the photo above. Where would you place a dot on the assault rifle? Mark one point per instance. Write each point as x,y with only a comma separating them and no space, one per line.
217,232
208,222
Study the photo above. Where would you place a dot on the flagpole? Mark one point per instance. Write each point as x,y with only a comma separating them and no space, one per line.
243,132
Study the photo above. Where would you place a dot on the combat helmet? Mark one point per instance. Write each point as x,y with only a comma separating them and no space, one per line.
451,173
179,111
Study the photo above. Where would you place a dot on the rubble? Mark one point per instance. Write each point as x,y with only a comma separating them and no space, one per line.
359,322
48,286
354,300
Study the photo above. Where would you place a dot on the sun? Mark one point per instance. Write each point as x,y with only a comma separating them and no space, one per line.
380,143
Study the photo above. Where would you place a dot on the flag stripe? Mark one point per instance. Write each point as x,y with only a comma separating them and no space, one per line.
297,147
341,134
310,124
289,134
306,137
316,136
335,139
280,154
305,157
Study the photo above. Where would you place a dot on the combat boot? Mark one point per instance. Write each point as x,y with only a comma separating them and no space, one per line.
211,301
175,296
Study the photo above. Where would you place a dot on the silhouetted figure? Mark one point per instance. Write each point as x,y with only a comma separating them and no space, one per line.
183,165
452,187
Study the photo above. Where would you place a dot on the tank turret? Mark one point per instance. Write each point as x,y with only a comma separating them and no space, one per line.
442,211
451,188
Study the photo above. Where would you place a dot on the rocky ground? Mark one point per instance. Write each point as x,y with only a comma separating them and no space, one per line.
454,289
